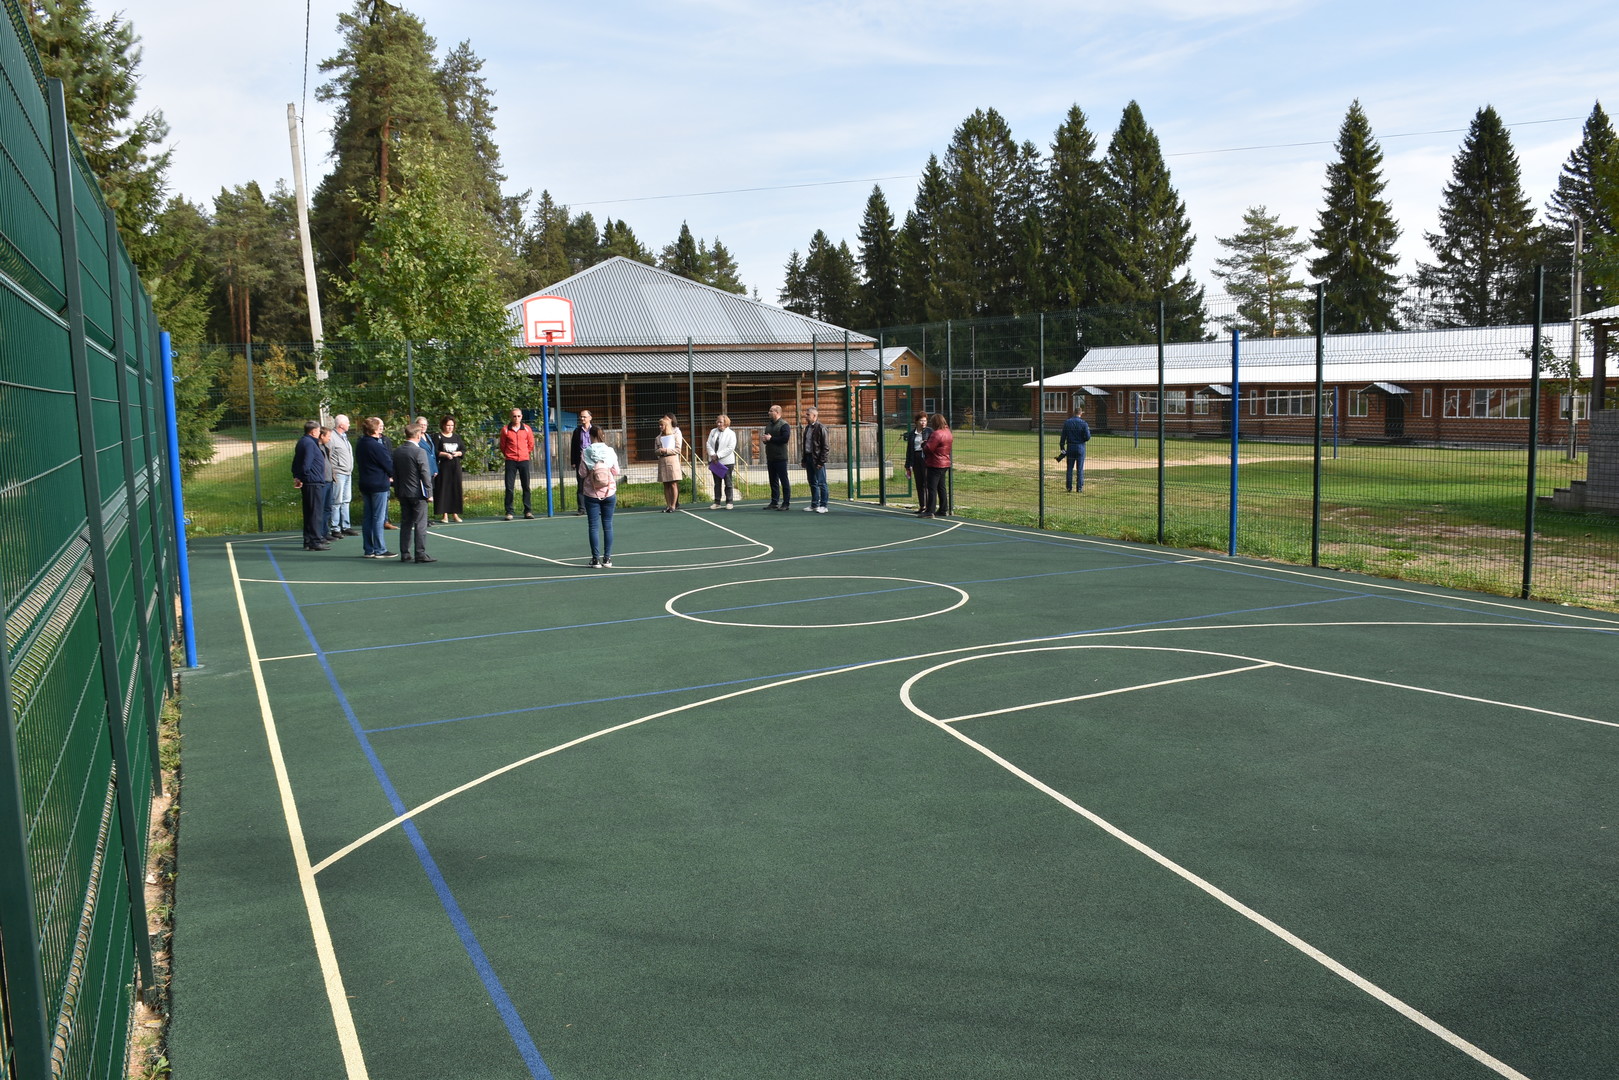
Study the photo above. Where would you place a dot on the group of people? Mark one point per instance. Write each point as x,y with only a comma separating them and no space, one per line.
423,469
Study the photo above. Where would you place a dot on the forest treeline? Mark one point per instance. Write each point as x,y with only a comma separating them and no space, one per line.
415,234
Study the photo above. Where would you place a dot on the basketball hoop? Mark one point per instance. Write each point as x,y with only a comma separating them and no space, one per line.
547,320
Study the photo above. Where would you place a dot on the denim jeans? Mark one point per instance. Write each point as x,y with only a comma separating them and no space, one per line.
599,515
338,497
373,513
1076,466
816,475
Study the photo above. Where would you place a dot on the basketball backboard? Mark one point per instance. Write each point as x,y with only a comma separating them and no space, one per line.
547,320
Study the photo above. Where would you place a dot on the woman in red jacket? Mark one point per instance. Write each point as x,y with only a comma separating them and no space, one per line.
936,456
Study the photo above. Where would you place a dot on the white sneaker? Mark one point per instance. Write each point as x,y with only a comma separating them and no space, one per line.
730,506
809,509
713,506
820,509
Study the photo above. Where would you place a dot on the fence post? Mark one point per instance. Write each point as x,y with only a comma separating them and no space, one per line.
691,413
1040,427
177,497
849,431
1534,436
134,841
882,448
949,408
1320,393
410,382
1236,411
253,434
1162,472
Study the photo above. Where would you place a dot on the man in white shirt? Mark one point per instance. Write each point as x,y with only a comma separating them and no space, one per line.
341,493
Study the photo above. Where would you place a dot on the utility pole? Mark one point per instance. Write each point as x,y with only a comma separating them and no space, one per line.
315,331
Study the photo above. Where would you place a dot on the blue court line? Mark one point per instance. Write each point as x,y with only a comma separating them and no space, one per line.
463,930
620,697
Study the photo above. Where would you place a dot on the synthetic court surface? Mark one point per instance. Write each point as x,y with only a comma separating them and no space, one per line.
862,795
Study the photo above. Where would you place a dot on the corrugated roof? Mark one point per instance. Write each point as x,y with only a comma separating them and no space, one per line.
1489,352
704,362
623,303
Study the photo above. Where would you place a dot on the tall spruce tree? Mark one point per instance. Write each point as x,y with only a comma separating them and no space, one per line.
1485,248
723,272
1577,197
1148,241
795,289
618,239
583,242
830,280
879,264
1071,204
1259,275
683,256
258,267
545,246
989,188
919,248
1356,236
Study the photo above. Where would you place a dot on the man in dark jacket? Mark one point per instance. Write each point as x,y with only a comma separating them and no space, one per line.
309,477
413,484
578,443
813,452
776,434
1075,434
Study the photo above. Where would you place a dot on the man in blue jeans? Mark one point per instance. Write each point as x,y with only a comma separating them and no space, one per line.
813,452
1075,434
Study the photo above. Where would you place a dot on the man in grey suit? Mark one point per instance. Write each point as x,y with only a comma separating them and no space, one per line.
413,486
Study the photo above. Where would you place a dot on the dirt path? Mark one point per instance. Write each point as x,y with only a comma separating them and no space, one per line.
1094,461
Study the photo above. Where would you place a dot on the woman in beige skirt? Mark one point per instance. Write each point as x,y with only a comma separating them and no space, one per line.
669,446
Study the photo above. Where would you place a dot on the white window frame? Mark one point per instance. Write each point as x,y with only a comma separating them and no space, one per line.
1174,402
1054,401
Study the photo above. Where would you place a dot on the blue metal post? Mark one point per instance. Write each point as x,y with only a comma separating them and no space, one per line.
545,429
1236,411
188,630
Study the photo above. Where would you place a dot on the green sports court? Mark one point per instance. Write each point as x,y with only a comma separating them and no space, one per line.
862,795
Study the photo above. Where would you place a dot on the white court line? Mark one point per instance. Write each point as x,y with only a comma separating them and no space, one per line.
1099,693
507,550
289,656
394,823
348,1039
669,605
1356,980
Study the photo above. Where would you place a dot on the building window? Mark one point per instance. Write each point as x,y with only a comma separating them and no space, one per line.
1147,402
1427,402
1054,401
1253,403
904,371
1174,402
1290,402
1582,405
930,405
1360,404
1482,404
1200,405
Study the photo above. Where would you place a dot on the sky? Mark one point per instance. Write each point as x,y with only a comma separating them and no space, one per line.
759,122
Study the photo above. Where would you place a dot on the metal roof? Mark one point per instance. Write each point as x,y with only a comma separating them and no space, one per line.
703,362
1473,353
621,303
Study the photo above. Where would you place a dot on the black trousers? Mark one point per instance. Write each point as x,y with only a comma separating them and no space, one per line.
518,470
413,526
781,488
314,506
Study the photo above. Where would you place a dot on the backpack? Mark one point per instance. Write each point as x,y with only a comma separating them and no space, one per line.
600,476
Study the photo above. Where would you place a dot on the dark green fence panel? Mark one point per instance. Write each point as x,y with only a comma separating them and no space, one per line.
86,575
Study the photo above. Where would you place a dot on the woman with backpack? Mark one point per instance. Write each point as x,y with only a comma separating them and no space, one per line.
599,490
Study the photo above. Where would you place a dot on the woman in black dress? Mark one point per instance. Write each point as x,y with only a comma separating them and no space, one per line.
449,448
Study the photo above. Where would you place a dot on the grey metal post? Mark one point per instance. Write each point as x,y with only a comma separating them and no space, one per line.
1040,428
253,435
410,382
1534,436
1236,411
882,449
1320,393
848,418
691,413
117,721
24,970
1162,477
815,378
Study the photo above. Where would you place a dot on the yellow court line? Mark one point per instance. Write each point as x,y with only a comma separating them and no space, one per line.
347,1037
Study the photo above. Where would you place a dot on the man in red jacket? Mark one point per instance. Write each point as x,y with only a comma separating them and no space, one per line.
517,447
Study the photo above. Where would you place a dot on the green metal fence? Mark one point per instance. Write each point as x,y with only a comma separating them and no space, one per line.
86,566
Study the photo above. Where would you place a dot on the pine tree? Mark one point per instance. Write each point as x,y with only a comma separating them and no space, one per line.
1485,248
1147,238
1072,209
619,239
684,257
723,272
1356,236
470,108
919,249
386,88
545,247
988,190
879,266
258,267
97,61
1259,276
1577,197
178,273
582,242
795,290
